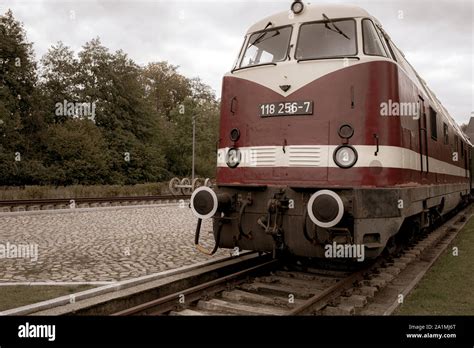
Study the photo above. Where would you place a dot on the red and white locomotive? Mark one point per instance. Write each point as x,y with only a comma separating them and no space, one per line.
328,135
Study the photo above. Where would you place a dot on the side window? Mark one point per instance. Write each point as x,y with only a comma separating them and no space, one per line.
240,54
445,134
433,124
372,44
462,148
387,43
401,59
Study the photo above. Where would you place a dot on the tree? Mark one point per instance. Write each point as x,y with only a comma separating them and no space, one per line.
139,130
123,114
76,153
179,141
20,118
58,80
165,88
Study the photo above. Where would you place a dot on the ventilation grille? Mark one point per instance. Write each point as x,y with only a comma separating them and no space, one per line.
303,156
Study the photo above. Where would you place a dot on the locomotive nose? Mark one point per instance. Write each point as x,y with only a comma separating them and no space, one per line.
205,202
325,208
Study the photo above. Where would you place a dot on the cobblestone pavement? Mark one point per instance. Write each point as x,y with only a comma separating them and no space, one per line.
101,245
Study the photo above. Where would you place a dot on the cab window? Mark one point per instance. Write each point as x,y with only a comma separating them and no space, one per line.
327,39
372,44
268,46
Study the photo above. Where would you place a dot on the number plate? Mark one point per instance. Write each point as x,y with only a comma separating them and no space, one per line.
286,108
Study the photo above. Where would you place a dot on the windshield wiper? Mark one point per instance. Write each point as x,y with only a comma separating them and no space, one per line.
261,35
335,27
263,38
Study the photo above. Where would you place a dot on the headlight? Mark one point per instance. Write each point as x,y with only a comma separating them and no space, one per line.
345,156
233,157
346,131
325,208
297,7
234,134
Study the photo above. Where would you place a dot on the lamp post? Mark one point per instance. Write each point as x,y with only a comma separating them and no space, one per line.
194,145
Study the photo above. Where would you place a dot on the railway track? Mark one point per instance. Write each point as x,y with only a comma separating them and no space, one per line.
253,284
280,291
83,202
275,289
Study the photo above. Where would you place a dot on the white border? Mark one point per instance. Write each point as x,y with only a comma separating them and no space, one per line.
214,198
339,213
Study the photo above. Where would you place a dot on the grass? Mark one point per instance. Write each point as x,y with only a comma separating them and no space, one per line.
21,295
448,287
75,191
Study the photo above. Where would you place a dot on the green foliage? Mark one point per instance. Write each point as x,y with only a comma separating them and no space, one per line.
446,289
76,153
179,147
137,127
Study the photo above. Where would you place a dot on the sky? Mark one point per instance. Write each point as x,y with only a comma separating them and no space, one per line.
203,37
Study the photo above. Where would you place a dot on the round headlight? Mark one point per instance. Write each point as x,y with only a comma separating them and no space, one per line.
234,134
297,7
345,156
346,131
233,157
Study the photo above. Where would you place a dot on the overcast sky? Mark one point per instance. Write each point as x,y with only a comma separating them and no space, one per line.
203,37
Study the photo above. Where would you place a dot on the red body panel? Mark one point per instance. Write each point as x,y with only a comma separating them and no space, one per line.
350,95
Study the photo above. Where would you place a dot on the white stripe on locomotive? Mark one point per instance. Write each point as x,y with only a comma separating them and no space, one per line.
320,156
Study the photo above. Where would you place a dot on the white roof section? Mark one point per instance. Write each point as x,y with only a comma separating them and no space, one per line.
311,13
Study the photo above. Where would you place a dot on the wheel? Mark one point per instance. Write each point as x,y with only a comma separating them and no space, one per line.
197,183
207,182
172,186
186,190
393,247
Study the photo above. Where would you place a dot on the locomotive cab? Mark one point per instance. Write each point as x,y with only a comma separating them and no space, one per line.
303,37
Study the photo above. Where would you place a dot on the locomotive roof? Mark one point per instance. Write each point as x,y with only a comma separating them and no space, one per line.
311,13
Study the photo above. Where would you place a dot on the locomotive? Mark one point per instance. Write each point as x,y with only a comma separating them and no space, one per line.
329,137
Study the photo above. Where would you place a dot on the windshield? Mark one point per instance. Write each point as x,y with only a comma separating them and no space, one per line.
267,46
328,39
